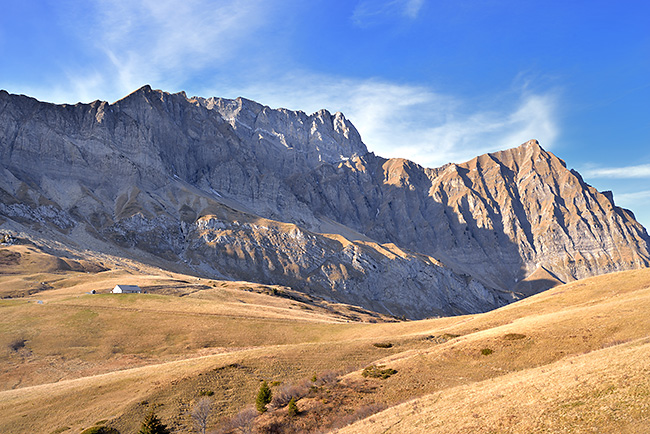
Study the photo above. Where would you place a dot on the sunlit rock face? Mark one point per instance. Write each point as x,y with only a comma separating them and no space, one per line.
502,216
236,189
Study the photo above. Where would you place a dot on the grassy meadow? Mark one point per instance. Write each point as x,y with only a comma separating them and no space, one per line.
573,359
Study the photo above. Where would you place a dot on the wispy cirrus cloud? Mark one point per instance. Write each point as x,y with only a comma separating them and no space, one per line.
162,42
170,45
630,199
415,122
369,13
638,171
412,8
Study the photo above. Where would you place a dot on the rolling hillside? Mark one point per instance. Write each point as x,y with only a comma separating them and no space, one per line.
572,358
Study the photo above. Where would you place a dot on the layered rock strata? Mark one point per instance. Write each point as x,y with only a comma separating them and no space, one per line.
189,180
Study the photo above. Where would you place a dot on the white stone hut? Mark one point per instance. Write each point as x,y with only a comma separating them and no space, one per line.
126,289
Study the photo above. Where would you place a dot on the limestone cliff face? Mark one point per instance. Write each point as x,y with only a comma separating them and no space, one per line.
498,217
383,278
234,188
553,218
320,137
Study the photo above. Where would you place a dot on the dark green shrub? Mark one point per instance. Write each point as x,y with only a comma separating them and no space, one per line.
373,371
292,408
383,344
513,336
264,397
206,393
100,430
152,425
17,344
486,351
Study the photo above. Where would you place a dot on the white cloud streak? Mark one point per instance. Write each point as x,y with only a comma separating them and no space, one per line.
165,40
161,42
639,171
168,43
629,199
412,8
369,13
415,122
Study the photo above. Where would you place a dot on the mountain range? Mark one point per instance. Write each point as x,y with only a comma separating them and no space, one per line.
233,189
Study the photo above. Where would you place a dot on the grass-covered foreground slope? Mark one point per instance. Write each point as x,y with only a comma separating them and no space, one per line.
573,358
62,331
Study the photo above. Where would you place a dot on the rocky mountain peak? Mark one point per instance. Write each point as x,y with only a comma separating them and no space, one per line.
529,155
231,187
321,136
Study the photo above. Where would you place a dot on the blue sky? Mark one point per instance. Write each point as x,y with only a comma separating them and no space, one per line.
430,80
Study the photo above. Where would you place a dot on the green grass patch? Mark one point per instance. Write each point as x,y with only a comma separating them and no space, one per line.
513,336
378,371
12,302
573,404
82,317
100,430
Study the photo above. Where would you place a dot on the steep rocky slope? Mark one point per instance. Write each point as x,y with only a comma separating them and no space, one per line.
499,217
233,188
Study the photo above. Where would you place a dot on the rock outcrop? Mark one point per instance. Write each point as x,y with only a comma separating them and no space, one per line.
498,217
233,188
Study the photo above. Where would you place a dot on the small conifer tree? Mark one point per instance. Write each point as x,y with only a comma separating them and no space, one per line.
152,425
292,408
263,397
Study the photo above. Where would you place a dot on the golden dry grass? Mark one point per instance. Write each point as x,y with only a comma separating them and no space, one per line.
69,333
605,391
559,363
570,359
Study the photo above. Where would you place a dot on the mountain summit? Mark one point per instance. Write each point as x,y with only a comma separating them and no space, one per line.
235,189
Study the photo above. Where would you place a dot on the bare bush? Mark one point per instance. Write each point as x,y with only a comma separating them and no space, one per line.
361,413
614,343
287,392
329,377
242,422
326,377
200,414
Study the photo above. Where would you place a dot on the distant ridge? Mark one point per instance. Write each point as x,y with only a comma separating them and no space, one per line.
220,187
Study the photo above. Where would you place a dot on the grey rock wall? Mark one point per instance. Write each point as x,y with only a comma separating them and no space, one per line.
151,171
